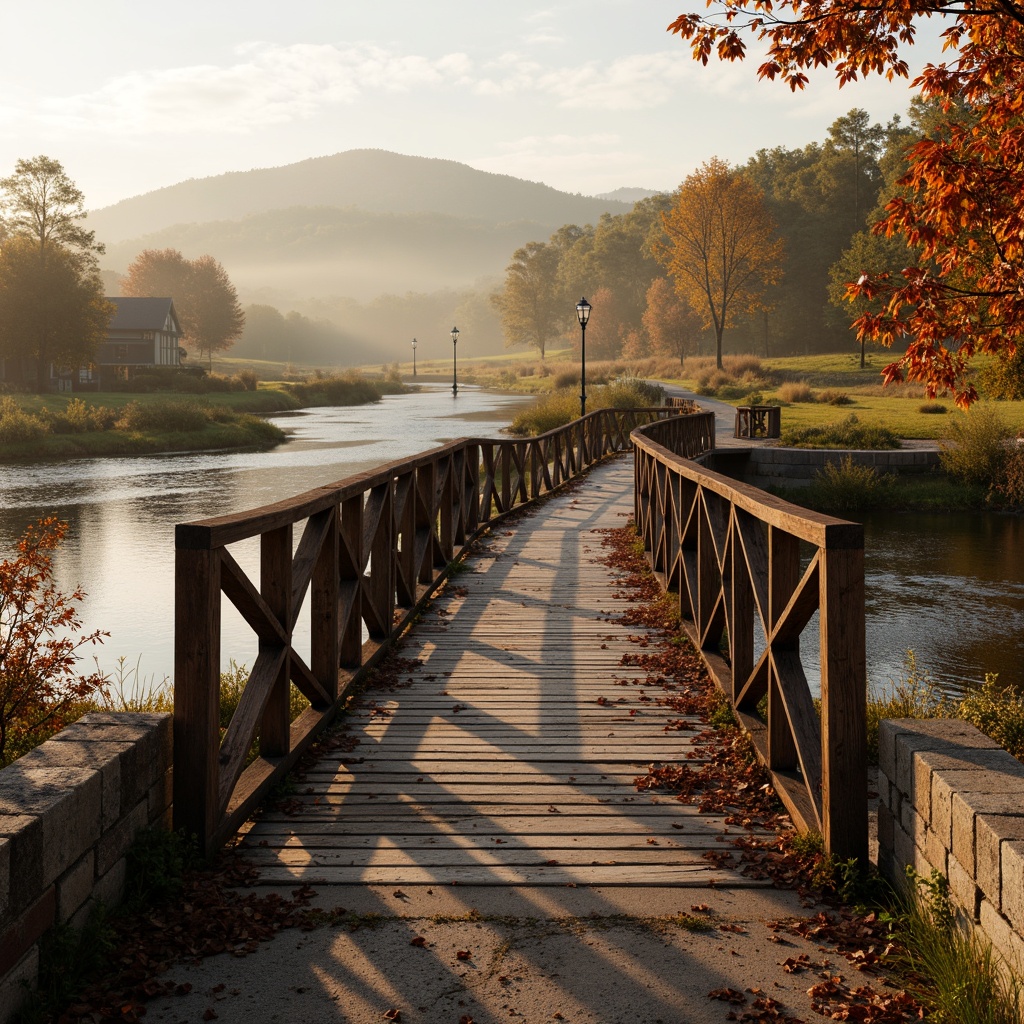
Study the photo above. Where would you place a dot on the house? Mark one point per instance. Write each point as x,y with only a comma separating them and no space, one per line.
143,334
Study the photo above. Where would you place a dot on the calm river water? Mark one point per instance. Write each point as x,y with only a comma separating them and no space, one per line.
949,586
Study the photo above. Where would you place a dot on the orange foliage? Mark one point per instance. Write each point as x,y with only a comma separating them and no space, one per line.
961,206
38,682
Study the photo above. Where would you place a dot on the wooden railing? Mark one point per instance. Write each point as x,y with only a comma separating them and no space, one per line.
744,562
369,550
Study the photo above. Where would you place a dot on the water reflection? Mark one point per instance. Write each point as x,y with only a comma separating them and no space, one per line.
122,512
949,586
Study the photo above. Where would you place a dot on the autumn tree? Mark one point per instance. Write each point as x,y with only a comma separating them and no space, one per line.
961,207
52,312
532,307
206,301
39,685
722,250
670,322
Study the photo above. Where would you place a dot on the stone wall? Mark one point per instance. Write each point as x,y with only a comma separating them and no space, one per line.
69,811
951,799
771,467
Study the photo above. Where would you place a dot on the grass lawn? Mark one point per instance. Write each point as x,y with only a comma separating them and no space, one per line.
266,399
900,415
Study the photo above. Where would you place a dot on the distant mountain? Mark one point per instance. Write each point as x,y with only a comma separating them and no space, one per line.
307,251
370,179
627,195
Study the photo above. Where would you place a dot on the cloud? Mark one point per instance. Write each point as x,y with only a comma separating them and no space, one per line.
270,85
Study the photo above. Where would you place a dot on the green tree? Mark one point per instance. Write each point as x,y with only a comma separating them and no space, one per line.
723,250
530,305
51,311
39,201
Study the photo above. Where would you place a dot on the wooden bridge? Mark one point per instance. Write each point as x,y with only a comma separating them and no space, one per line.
503,756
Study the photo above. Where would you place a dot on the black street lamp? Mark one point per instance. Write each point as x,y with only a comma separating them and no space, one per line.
583,315
455,365
414,344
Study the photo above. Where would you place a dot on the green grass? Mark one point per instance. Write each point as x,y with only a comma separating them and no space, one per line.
846,433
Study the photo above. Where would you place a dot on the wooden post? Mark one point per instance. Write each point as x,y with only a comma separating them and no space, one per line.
196,688
783,577
741,616
843,699
325,655
350,582
276,589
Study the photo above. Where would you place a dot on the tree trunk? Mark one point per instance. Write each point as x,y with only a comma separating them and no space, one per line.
718,348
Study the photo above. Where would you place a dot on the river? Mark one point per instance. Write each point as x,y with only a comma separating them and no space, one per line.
948,586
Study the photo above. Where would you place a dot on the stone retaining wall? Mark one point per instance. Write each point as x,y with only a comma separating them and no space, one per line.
770,467
69,811
951,799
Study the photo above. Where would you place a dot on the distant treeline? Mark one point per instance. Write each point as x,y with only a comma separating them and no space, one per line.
823,197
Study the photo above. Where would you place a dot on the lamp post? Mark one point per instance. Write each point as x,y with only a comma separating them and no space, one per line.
414,344
583,315
455,365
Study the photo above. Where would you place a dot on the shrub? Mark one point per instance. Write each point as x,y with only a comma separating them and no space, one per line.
915,695
933,408
79,418
18,425
566,379
1003,378
39,687
184,417
975,450
248,379
796,391
998,711
560,407
850,487
848,433
833,397
336,389
1010,486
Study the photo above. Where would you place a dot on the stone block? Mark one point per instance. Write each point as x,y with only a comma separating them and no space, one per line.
24,842
903,852
15,985
147,742
67,801
913,734
936,851
962,888
113,845
5,878
963,838
74,887
19,937
1005,941
965,784
991,831
885,830
1011,882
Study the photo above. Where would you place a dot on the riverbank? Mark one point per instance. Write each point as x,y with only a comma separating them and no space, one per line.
104,424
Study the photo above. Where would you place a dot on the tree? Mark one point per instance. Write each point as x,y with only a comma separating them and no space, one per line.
51,311
962,206
531,305
41,202
216,314
207,304
722,250
38,682
669,321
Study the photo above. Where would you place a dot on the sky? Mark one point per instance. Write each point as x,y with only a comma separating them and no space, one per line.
585,97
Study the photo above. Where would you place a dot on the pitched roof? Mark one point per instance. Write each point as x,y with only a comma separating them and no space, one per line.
140,314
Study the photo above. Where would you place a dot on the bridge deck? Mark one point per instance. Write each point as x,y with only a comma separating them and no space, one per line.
492,761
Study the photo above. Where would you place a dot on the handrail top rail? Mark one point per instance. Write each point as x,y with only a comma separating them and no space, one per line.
814,527
216,531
